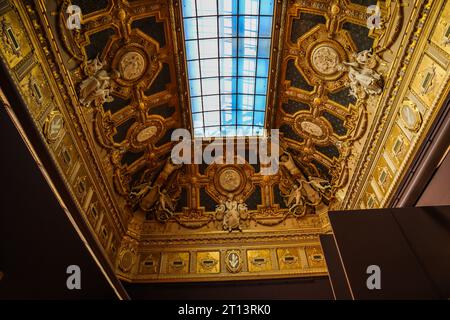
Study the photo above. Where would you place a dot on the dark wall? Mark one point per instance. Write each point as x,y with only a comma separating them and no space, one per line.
409,245
286,289
437,191
37,241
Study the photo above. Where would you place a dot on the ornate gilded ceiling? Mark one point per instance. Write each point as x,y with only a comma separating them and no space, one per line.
108,96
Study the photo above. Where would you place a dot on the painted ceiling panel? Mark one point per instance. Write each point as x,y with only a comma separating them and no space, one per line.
135,71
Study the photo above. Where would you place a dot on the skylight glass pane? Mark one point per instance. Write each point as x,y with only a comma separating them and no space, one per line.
209,68
207,27
196,104
193,69
228,50
191,50
189,8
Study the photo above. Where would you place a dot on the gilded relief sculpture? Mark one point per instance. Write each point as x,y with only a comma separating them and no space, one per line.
95,88
155,198
295,201
230,213
300,191
364,80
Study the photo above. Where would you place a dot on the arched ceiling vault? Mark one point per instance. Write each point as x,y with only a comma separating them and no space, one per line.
109,95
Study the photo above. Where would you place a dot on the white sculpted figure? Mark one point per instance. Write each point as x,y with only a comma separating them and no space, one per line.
147,194
231,211
319,184
96,88
166,207
287,161
363,79
295,200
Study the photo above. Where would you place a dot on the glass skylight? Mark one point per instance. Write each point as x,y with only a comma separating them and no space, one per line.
227,51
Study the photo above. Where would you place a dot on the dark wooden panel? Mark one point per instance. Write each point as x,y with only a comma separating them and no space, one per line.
286,289
373,237
339,284
427,231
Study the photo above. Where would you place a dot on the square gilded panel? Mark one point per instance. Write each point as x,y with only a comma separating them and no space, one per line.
289,258
429,80
208,262
369,199
177,262
397,145
259,260
315,257
104,234
66,154
383,175
15,44
37,91
441,33
150,263
95,211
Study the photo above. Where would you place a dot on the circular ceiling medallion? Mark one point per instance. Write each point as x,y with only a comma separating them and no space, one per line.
230,179
132,65
146,134
312,128
325,60
141,135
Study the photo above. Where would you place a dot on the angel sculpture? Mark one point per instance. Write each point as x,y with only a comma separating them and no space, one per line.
93,66
138,192
243,209
220,209
166,206
363,79
365,58
295,201
287,161
319,184
231,212
96,88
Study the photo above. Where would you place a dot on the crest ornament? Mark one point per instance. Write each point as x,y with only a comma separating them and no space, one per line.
233,261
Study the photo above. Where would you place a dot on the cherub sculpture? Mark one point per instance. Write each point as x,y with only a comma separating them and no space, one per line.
364,80
319,184
231,212
295,201
95,88
165,206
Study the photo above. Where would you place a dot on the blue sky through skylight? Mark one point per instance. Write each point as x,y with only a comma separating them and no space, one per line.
228,51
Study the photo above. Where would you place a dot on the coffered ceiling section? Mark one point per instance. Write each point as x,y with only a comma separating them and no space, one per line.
126,73
107,83
322,100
